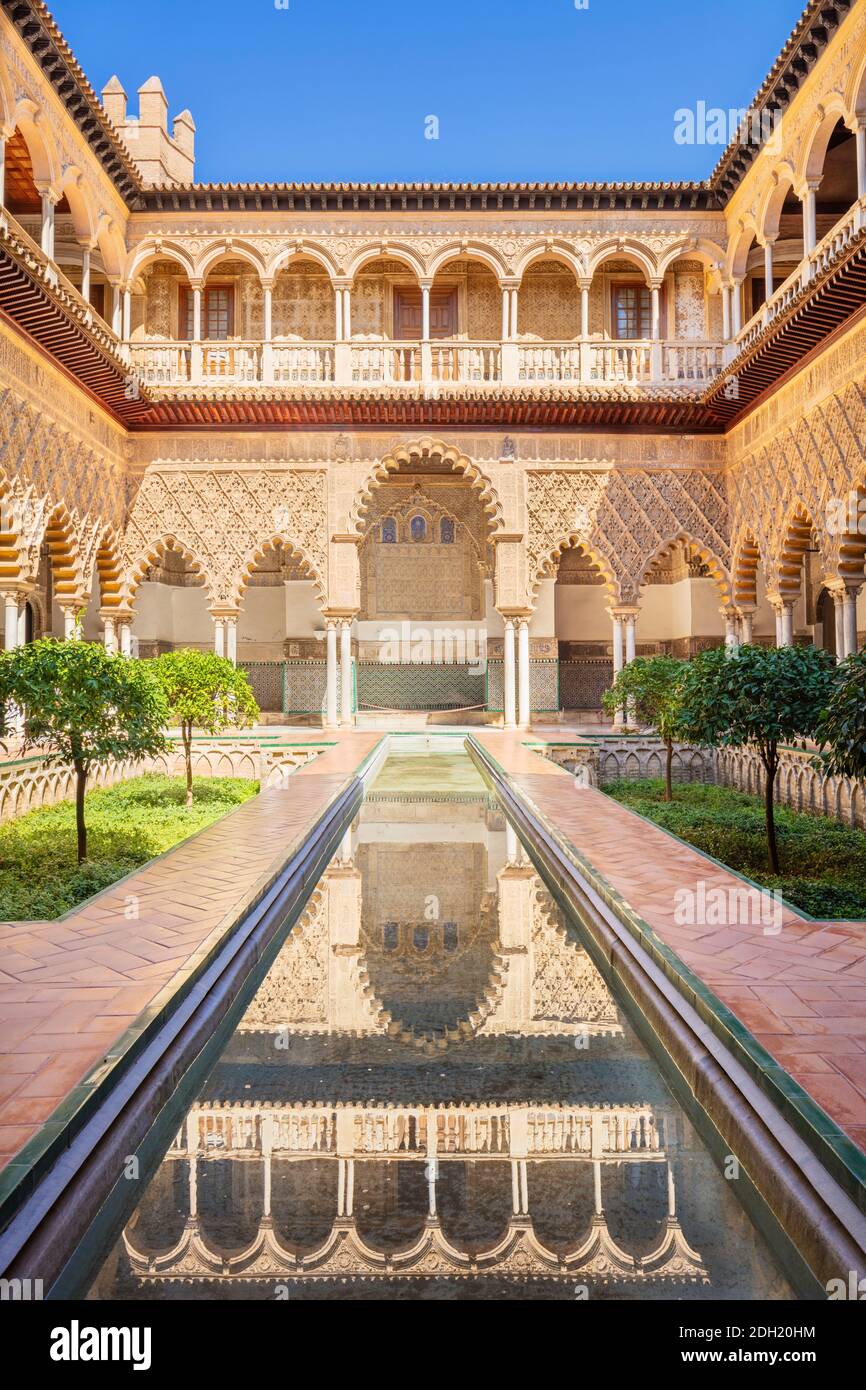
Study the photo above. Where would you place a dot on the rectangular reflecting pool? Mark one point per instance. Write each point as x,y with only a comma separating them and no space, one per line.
434,1095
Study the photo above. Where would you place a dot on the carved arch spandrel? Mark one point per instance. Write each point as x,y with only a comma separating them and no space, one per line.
623,518
224,517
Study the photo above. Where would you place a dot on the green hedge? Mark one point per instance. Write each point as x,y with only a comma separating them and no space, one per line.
823,862
128,824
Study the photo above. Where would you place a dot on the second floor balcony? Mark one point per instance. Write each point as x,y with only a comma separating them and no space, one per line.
581,362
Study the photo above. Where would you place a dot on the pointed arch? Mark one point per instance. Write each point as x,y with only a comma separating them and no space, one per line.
109,572
796,541
747,558
153,553
575,540
716,567
255,556
426,448
64,555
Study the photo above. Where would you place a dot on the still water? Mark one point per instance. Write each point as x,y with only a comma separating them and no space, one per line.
434,1095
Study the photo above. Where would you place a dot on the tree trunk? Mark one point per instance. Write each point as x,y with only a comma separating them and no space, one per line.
186,733
770,768
80,826
669,770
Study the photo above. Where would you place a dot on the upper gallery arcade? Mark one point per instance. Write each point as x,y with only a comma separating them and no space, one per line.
569,421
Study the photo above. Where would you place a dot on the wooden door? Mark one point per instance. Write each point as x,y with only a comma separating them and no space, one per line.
408,316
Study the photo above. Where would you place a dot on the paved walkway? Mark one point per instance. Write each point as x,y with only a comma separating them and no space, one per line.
801,993
70,989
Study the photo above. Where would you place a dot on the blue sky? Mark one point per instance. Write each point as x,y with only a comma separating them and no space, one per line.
522,89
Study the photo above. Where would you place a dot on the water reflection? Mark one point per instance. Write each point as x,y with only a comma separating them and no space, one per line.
433,1094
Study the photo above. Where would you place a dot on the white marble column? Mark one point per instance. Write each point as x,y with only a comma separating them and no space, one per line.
513,315
71,623
331,685
346,672
127,315
784,610
425,313
109,632
125,634
839,614
219,636
849,621
338,314
747,622
11,609
347,312
618,658
768,268
584,310
231,629
630,638
46,239
736,308
508,675
860,136
810,216
506,315
524,713
267,332
196,351
85,274
726,313
732,640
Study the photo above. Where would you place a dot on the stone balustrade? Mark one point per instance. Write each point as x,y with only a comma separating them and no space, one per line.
581,362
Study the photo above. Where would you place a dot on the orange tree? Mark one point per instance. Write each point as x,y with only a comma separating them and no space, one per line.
84,706
204,691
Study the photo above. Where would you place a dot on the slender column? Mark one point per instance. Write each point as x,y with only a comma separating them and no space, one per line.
85,273
514,307
125,633
584,310
47,235
849,621
508,675
747,621
630,638
127,314
596,1186
515,1186
196,363
267,332
656,312
109,632
338,314
810,216
524,1188
331,689
839,613
350,1186
432,1175
116,311
425,313
732,640
219,636
341,1187
726,313
524,714
506,315
22,625
618,662
346,672
12,606
860,136
737,308
784,610
70,624
768,268
267,1136
347,312
231,630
